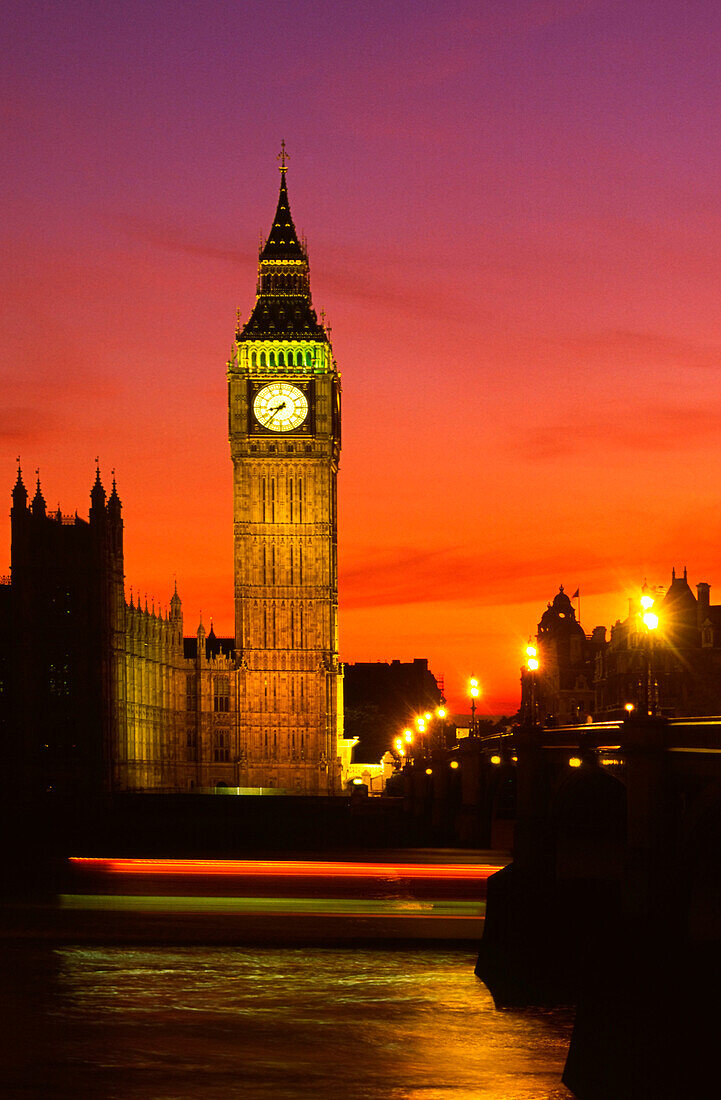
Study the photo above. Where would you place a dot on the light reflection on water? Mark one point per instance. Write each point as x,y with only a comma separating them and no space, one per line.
207,1023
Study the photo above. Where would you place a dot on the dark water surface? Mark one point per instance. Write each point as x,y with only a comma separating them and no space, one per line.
203,1023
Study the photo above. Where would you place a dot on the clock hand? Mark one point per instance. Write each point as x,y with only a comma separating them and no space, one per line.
276,410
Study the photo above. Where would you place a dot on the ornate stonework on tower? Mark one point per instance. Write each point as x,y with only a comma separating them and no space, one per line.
284,424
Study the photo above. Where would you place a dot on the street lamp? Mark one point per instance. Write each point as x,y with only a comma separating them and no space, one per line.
474,691
422,731
532,665
649,618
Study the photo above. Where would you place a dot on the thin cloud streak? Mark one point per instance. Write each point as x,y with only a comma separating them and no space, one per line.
450,574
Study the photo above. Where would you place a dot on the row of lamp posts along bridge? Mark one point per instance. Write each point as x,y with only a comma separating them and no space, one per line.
430,728
419,740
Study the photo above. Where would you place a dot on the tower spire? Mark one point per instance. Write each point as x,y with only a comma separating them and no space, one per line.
283,309
97,493
38,504
20,493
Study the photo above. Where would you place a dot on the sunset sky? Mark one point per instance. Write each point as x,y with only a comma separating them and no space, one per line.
513,218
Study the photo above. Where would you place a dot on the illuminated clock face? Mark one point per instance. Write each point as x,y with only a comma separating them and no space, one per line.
280,407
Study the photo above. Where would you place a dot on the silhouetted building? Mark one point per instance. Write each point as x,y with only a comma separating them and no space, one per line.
382,699
681,659
562,690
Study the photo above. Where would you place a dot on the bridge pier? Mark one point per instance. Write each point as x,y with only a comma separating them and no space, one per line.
599,907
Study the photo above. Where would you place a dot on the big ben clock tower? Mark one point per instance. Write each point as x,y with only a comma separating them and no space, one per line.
284,422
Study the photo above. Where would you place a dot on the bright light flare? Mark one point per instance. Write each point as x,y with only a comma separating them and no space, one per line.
533,664
650,620
647,602
574,762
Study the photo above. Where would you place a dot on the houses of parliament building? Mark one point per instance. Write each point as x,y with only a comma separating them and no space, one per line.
99,692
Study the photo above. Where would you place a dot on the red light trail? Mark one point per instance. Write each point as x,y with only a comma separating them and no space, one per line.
286,868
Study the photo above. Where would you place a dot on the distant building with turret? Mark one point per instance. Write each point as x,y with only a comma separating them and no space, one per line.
676,666
681,658
561,691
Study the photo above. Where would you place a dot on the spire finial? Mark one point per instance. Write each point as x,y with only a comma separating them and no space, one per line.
283,157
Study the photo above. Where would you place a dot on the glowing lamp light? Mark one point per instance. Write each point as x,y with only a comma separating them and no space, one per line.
647,602
408,735
533,664
441,712
574,762
428,716
650,620
421,723
357,782
429,771
454,764
531,651
629,707
495,759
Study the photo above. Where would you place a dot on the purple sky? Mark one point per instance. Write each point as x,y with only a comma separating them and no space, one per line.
513,222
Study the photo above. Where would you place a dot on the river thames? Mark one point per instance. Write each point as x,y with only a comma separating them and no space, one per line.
260,1022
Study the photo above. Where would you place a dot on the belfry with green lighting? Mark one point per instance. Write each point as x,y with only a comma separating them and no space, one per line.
284,427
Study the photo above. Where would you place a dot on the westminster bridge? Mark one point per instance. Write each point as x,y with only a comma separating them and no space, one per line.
612,900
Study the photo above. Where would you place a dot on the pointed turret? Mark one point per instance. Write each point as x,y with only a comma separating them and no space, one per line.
97,497
114,505
283,309
20,494
175,604
38,505
282,242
